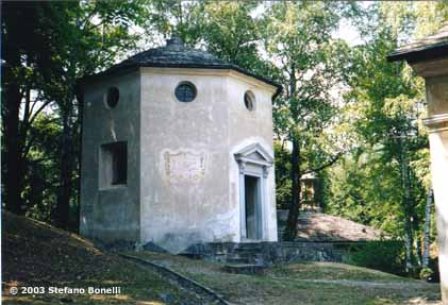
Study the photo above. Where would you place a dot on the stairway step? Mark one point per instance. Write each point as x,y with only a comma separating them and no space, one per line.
237,260
244,269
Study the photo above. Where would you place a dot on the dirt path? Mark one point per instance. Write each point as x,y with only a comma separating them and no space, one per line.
207,295
358,283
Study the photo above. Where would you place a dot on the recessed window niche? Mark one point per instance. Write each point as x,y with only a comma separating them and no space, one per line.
113,164
112,97
185,92
249,100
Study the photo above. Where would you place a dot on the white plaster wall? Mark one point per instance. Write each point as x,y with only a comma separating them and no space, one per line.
437,96
435,73
178,211
439,172
248,127
198,205
112,213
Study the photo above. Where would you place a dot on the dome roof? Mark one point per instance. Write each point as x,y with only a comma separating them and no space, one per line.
175,55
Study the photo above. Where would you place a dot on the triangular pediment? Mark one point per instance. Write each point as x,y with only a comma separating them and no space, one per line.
254,153
256,156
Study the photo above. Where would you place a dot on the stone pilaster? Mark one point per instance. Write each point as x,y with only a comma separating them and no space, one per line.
437,122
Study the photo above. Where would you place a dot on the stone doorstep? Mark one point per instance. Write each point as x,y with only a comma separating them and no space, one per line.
245,269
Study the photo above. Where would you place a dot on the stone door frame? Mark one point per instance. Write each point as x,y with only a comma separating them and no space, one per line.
254,161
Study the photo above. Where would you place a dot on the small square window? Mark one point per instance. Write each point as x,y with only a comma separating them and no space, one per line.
113,164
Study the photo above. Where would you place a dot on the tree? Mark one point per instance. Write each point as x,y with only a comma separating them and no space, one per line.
42,60
227,29
298,36
12,95
386,103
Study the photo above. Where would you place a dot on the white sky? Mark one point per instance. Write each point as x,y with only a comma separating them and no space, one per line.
349,33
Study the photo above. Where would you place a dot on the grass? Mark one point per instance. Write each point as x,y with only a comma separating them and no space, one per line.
305,283
38,255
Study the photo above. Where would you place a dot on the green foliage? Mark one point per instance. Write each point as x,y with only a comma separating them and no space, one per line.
384,180
380,255
42,173
425,273
282,176
45,56
298,37
364,190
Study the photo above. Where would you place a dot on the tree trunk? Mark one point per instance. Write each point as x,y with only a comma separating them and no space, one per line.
407,204
78,153
291,224
426,230
62,210
11,97
290,232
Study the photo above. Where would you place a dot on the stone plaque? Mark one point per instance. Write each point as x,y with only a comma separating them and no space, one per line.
184,166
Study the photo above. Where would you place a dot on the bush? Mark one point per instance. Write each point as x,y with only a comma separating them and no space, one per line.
431,273
386,255
426,273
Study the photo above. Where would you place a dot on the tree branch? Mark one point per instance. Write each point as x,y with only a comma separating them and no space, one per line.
325,165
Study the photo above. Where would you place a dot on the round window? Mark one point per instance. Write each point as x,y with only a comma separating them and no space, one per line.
249,100
112,97
185,92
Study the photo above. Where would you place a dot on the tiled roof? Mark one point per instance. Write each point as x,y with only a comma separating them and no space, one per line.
427,48
176,55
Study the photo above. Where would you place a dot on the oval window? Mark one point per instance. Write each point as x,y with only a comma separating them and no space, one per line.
185,92
112,97
249,100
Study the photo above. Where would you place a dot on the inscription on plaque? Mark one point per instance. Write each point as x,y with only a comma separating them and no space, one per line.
184,166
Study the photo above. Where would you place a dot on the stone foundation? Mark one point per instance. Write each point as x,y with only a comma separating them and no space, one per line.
267,253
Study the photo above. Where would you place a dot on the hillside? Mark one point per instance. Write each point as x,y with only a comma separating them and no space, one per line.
308,283
36,254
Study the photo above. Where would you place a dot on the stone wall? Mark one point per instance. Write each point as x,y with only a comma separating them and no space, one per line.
267,253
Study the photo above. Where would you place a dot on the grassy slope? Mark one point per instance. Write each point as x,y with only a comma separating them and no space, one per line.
35,254
306,283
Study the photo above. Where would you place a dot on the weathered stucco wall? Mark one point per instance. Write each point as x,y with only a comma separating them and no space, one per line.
189,184
184,160
437,94
183,181
438,140
246,128
110,213
436,77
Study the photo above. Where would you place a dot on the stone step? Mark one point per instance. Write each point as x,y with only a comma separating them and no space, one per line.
247,250
244,269
249,245
303,221
237,260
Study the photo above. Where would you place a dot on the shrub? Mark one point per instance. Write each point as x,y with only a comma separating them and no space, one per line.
383,255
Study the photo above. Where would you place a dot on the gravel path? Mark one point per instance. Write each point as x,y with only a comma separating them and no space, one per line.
357,283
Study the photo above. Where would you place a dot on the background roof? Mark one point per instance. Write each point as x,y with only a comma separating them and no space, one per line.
427,48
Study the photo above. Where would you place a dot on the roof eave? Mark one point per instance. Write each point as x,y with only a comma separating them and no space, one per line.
421,53
133,66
